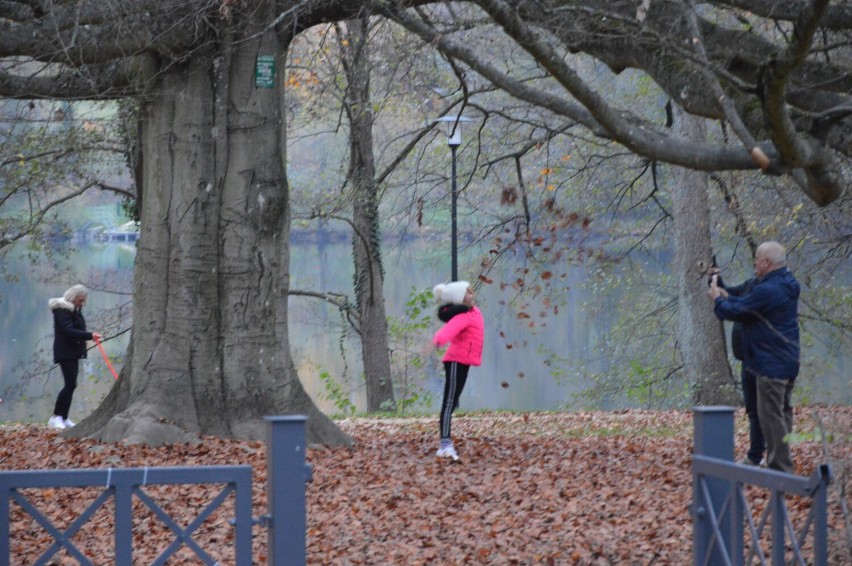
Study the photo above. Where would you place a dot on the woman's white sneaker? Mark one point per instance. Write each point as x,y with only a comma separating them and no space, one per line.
68,423
56,422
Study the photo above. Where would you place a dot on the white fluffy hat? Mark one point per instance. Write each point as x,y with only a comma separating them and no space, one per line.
450,293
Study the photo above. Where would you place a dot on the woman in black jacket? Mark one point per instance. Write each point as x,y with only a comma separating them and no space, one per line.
69,346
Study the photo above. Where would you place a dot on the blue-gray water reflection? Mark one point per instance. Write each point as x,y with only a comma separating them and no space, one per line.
513,378
514,374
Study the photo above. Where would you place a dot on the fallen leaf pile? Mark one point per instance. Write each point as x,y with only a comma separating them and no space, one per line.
539,488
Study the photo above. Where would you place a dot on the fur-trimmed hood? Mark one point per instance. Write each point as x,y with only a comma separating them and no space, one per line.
60,303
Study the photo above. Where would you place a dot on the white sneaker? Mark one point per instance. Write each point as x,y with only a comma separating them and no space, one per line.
448,452
56,422
68,423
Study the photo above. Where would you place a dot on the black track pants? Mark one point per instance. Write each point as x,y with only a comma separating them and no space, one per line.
456,377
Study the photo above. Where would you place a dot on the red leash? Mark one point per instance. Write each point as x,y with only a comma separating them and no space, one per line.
106,359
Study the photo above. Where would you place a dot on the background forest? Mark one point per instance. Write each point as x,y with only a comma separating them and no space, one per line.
540,198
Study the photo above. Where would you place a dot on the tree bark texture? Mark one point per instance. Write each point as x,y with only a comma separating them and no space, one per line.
210,351
701,340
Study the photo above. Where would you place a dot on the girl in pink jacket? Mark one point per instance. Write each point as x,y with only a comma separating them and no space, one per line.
465,331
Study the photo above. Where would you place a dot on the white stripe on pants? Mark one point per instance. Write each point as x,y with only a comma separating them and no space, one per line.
456,377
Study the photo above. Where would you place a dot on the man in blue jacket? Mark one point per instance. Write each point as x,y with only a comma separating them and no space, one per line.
769,315
748,380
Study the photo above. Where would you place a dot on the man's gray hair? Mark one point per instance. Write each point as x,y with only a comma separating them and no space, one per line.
774,252
75,292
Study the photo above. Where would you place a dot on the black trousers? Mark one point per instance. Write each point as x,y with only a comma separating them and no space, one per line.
456,377
70,368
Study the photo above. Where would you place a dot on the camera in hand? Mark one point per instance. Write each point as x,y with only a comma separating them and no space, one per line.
713,264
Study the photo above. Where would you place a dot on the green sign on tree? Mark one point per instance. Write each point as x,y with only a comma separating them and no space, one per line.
264,71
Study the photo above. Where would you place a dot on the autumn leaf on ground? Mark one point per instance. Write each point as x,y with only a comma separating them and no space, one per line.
583,488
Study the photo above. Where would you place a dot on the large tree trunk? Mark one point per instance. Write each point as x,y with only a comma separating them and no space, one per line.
701,342
366,242
210,352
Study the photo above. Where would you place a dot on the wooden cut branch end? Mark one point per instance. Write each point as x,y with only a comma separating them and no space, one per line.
760,158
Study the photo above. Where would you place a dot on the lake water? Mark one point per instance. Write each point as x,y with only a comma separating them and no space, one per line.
514,374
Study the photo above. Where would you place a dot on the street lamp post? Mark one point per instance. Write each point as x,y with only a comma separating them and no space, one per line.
454,139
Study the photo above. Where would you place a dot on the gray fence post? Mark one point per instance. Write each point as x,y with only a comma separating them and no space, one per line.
286,474
713,437
820,504
123,513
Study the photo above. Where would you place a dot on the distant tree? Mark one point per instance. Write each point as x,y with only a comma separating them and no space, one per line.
51,153
340,85
700,339
366,239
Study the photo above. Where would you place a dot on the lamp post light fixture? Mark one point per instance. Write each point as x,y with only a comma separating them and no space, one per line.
454,139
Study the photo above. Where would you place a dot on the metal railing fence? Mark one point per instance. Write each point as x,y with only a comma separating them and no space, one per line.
721,509
287,473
